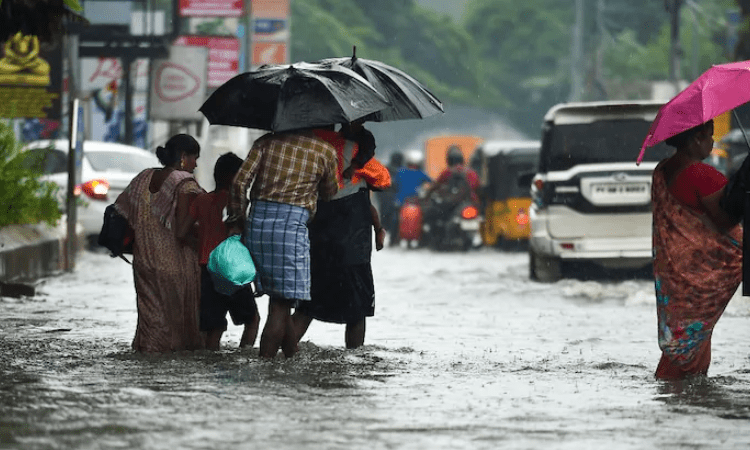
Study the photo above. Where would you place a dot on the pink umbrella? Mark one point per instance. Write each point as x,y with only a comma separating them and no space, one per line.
719,89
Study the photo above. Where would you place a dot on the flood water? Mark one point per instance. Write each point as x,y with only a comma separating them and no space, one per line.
464,352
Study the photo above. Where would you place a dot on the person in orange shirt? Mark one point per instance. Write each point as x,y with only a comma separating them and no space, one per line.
208,210
342,287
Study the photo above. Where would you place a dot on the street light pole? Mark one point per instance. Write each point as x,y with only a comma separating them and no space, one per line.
576,60
675,50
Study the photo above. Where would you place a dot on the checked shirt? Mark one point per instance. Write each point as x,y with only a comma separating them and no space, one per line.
292,168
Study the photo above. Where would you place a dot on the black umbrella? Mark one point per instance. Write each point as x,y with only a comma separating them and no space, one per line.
287,97
408,97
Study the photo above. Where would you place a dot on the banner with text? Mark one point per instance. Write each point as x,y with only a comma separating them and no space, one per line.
211,8
223,56
271,32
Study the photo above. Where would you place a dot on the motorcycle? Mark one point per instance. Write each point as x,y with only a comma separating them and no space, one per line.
452,226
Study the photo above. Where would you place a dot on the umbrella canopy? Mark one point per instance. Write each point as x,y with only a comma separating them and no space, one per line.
408,97
719,89
287,97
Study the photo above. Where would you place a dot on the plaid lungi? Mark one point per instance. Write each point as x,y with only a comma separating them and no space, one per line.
277,237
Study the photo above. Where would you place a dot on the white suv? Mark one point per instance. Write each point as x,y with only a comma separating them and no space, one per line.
590,201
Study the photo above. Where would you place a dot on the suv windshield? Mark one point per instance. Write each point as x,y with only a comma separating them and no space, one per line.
604,141
120,161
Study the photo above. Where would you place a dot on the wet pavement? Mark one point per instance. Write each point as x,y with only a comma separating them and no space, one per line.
463,352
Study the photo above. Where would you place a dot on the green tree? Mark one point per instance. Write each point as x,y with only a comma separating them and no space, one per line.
23,197
524,49
703,40
431,48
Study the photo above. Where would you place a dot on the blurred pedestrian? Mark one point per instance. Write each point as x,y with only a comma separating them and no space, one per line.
288,171
386,199
697,253
156,204
343,290
207,210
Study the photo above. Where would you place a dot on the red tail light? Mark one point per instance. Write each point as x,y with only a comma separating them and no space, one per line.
469,212
539,184
96,189
521,217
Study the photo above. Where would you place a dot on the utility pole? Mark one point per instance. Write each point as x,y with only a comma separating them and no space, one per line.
675,50
70,40
576,59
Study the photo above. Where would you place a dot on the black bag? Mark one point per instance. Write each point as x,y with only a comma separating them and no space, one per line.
733,201
116,235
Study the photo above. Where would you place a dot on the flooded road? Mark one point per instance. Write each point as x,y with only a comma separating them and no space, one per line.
463,352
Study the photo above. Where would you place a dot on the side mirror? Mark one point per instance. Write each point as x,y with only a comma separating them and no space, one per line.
524,179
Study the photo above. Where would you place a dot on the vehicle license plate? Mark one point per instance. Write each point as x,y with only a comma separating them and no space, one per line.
620,190
469,225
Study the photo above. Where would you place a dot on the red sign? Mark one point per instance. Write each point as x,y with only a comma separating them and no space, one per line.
211,8
223,56
269,53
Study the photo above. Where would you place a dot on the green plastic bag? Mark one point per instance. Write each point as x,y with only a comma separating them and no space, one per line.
231,266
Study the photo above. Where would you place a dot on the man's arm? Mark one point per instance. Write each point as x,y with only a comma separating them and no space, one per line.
237,205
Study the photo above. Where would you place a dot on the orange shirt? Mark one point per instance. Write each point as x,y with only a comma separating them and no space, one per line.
374,173
208,211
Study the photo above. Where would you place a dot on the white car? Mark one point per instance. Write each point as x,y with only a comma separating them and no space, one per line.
107,168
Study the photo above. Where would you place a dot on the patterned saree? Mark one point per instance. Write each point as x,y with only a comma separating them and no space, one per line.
697,270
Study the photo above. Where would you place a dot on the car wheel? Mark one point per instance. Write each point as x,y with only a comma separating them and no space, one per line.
544,269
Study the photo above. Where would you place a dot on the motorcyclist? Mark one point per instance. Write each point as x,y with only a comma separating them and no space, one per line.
411,177
455,184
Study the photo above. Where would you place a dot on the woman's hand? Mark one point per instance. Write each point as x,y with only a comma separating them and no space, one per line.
720,218
379,238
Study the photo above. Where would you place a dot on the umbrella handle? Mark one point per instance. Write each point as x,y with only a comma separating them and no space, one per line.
737,118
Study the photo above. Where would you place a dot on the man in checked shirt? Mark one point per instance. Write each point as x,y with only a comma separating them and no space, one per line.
286,172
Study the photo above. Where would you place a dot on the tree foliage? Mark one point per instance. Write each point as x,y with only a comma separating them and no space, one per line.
23,197
512,56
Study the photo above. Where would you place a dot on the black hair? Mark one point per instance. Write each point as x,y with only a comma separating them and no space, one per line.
454,156
226,168
366,144
680,140
175,147
397,159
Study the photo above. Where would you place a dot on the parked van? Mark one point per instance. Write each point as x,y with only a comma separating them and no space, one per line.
590,201
499,164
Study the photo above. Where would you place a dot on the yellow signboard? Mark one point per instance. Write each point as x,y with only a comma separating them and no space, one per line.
30,79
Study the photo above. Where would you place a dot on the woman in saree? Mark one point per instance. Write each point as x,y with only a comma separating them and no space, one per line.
165,264
697,254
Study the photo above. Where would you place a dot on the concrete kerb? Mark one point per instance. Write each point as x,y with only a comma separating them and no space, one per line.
31,252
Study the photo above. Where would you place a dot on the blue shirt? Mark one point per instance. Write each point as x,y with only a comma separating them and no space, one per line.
408,182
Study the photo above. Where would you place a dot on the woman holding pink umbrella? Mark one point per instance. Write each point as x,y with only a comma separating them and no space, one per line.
697,253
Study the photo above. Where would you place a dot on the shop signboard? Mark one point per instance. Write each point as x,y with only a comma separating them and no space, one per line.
270,32
179,84
223,56
211,8
30,79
